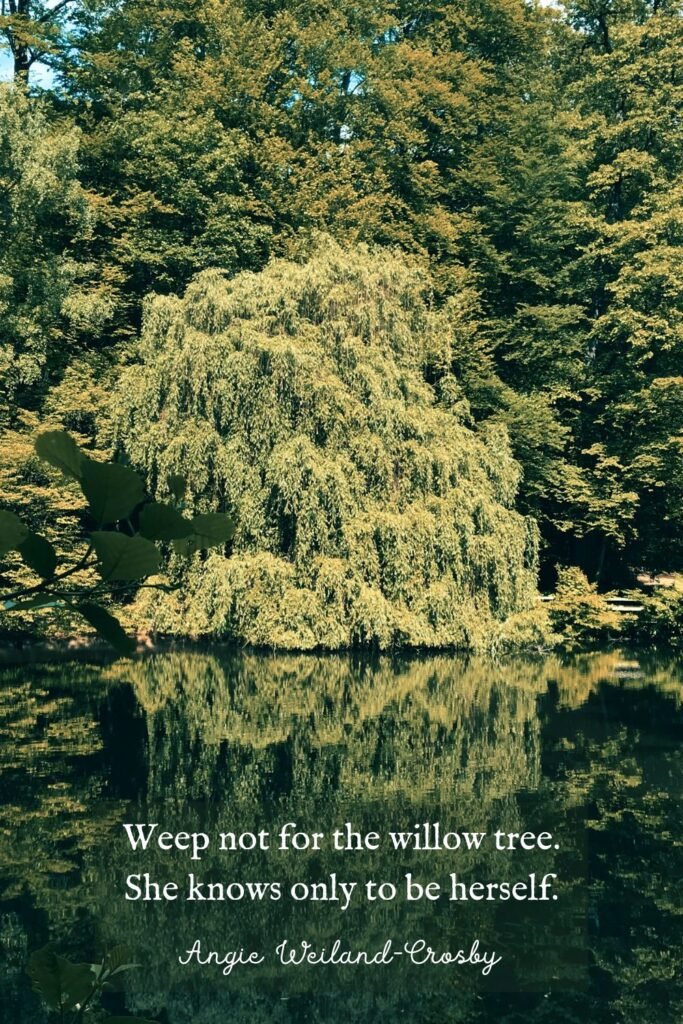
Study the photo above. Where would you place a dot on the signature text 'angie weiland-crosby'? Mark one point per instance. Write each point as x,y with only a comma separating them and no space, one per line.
416,952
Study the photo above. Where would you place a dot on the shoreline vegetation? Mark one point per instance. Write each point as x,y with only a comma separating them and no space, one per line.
394,289
137,537
578,623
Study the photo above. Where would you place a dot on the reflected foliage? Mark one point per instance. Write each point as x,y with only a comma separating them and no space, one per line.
587,747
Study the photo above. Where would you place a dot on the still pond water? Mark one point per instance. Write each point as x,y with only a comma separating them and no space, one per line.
587,748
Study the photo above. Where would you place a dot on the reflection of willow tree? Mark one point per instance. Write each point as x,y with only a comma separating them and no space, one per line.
47,734
52,812
384,744
201,710
240,742
456,721
323,741
624,775
14,950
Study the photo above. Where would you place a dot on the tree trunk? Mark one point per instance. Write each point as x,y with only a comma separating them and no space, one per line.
22,62
21,53
604,31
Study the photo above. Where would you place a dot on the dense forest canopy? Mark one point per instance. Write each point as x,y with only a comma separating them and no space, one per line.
527,156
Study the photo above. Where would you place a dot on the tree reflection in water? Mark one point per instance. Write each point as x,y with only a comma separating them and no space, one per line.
587,748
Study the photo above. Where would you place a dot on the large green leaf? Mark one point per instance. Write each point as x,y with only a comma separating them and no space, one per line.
112,490
61,451
212,529
12,532
119,958
187,546
39,555
163,522
116,963
61,984
108,627
125,558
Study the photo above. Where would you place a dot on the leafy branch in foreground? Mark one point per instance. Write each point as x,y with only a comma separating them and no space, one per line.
123,549
73,991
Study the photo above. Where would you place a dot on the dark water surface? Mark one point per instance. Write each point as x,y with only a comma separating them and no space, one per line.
588,749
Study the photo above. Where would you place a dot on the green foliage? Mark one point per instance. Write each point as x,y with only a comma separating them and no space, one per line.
367,511
124,558
529,154
239,126
73,990
51,294
33,30
661,621
106,626
63,985
39,555
114,494
534,157
578,614
57,306
61,451
163,522
627,85
12,532
527,631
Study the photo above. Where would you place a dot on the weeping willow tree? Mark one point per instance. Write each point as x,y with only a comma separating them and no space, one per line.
369,509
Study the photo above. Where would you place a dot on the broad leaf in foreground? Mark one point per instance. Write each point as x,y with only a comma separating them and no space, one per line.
39,555
12,532
163,522
108,627
62,984
212,529
113,491
125,558
61,451
177,485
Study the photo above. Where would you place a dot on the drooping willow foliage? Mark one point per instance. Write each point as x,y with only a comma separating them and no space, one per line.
369,511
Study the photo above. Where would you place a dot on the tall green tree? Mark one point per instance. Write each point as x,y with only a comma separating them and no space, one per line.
369,511
626,84
225,132
229,130
531,155
54,295
58,302
35,31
